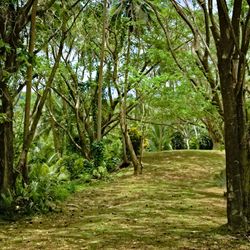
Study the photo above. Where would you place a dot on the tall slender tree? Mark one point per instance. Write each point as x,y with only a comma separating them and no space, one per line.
131,11
101,67
29,85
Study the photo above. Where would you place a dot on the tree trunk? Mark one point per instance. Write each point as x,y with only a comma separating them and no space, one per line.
13,22
215,131
6,140
24,169
236,146
22,163
230,32
58,137
160,138
125,153
136,163
100,78
123,113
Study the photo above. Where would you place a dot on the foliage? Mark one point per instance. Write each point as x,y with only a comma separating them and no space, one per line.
88,166
45,185
113,152
136,137
100,172
7,203
177,141
106,155
73,164
205,142
42,193
194,143
159,138
42,151
97,151
202,141
3,118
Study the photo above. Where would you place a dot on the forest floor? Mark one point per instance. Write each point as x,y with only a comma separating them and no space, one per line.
176,204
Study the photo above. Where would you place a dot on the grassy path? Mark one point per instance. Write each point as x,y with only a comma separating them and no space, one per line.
175,204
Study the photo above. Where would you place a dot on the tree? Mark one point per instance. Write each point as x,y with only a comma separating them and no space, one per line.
11,35
187,60
29,84
30,128
230,34
131,11
19,56
100,75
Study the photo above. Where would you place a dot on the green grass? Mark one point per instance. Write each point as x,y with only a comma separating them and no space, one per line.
175,204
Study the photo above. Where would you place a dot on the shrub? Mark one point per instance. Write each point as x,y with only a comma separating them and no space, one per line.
38,195
97,151
105,153
50,184
100,173
6,204
177,141
112,152
74,165
86,177
194,143
135,136
112,163
88,166
205,142
42,151
47,186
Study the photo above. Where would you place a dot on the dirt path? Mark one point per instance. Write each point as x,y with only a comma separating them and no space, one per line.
173,205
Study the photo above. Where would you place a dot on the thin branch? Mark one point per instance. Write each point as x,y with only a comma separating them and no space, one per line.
63,97
214,27
78,1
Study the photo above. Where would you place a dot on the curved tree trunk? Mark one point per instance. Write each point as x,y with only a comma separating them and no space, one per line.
24,169
123,112
22,163
136,163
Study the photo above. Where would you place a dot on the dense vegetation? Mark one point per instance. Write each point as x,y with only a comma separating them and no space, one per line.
87,86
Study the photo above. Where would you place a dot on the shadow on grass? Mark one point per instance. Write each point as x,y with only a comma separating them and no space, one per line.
173,205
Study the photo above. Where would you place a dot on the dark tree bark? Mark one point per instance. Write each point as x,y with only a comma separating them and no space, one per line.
231,53
6,140
237,161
